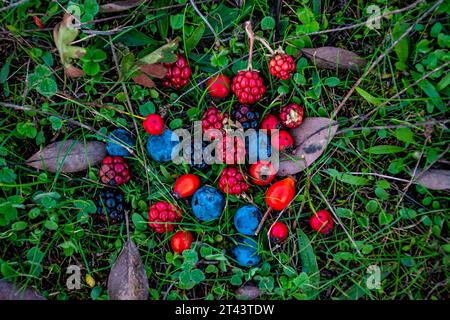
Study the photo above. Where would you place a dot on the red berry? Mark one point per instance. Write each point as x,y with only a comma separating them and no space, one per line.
282,66
181,241
162,216
114,171
284,141
322,221
154,124
219,86
278,232
262,172
270,122
212,119
232,181
38,22
186,185
233,150
178,73
248,86
291,115
280,194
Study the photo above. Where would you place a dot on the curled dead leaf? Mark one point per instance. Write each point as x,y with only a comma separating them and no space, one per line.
156,70
248,292
128,279
73,72
144,80
118,6
10,291
311,140
434,179
68,156
335,58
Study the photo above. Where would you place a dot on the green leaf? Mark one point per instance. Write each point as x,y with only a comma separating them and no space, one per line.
176,123
332,82
51,225
368,97
162,54
402,48
430,91
404,134
4,72
56,122
348,178
135,38
177,21
309,264
268,23
384,149
139,222
372,206
147,108
197,275
385,218
236,280
195,37
7,175
91,68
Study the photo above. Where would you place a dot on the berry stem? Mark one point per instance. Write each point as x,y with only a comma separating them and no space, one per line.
266,44
264,218
251,38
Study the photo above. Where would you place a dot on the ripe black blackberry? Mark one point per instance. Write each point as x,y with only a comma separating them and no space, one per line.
111,205
246,116
197,154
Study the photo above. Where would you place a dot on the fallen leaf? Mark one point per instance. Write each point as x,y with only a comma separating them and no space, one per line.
434,179
144,80
118,6
248,292
335,58
68,156
156,70
9,291
162,54
311,138
64,34
128,279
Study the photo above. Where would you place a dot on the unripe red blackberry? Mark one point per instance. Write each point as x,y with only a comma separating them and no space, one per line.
162,216
178,73
282,66
291,115
248,86
114,171
232,181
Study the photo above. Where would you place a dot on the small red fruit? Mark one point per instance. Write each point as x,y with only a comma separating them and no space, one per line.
278,232
38,22
114,171
219,86
178,73
248,86
262,172
154,124
186,185
322,221
284,141
280,194
162,216
282,66
291,115
232,181
212,119
233,150
270,122
181,241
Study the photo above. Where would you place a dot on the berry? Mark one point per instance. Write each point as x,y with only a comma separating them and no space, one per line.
246,252
278,232
233,150
212,119
186,185
270,122
114,171
178,73
246,219
258,146
154,124
245,116
262,173
161,147
232,181
162,216
207,203
124,138
219,86
285,142
282,66
291,115
181,241
248,86
38,22
197,160
111,205
280,194
322,221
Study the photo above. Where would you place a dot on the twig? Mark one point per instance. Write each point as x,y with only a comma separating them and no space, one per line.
197,10
251,39
13,5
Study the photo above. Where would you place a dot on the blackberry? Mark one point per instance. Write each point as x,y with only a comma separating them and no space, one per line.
244,114
111,205
197,154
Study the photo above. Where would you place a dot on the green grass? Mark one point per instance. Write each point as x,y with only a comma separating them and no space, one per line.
400,227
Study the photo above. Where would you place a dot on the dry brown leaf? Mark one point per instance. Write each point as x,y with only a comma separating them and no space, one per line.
128,279
144,80
435,179
335,58
68,156
156,70
9,291
311,139
118,6
248,292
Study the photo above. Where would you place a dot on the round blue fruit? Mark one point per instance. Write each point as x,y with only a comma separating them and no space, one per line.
246,252
160,147
207,203
123,137
258,147
246,219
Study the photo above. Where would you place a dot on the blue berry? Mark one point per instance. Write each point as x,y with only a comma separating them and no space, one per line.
111,206
258,146
122,136
246,252
246,219
207,203
160,147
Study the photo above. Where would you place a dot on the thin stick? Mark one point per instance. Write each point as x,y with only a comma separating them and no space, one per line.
265,44
264,218
251,38
205,20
